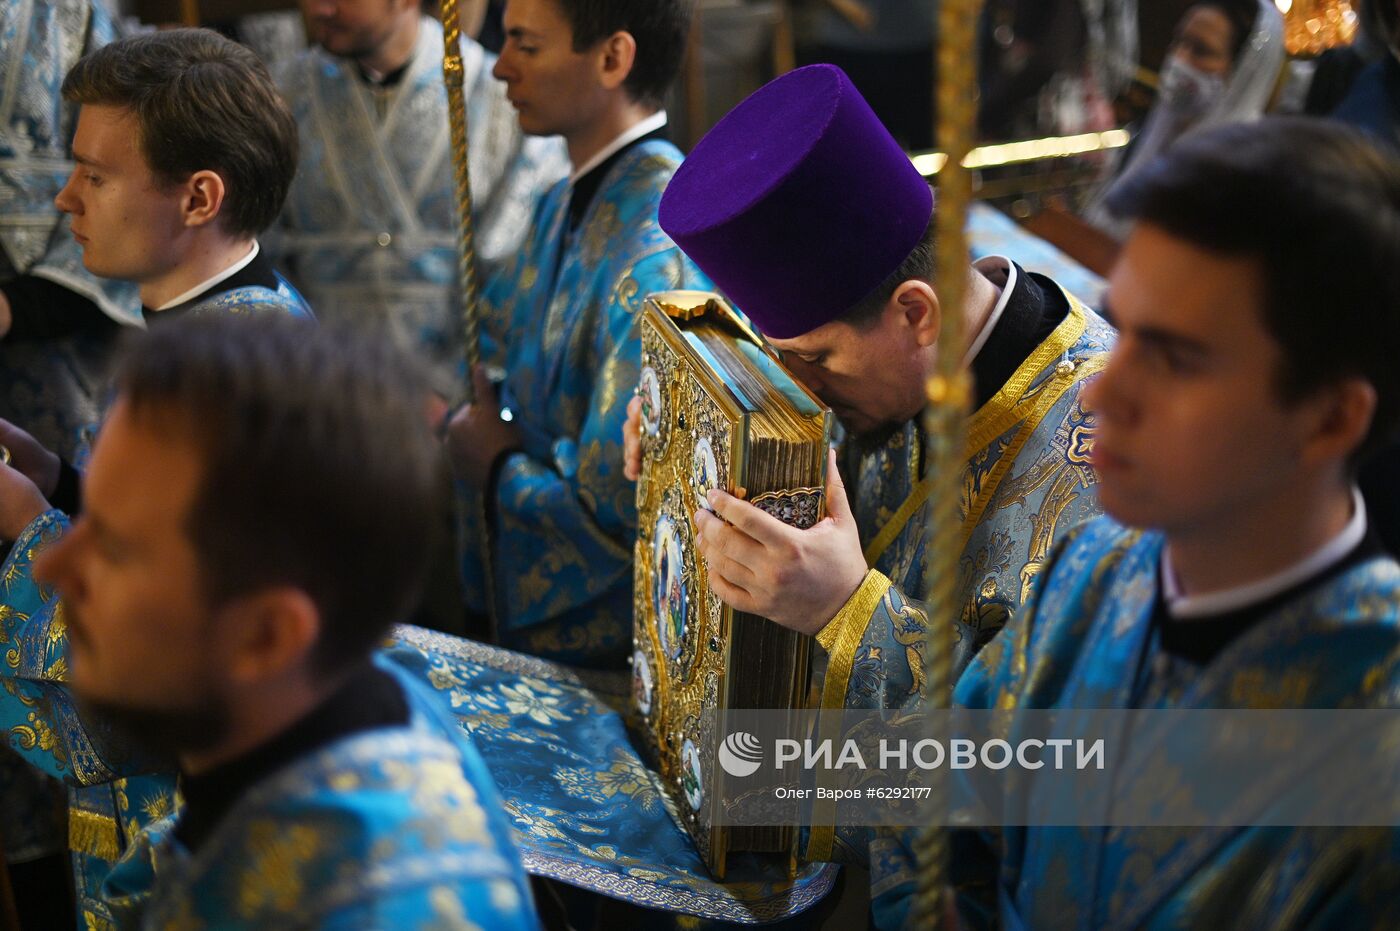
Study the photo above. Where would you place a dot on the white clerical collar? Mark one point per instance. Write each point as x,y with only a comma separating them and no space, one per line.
1180,605
208,283
993,267
649,125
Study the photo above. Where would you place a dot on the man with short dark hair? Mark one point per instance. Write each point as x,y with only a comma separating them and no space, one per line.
1254,372
369,231
184,152
563,318
219,607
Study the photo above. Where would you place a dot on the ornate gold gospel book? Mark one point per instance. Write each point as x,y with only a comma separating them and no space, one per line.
718,411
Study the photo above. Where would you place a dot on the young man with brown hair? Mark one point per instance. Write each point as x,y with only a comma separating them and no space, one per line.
1237,568
563,317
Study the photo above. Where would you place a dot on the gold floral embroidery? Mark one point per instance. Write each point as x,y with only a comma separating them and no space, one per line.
627,777
158,806
533,702
276,856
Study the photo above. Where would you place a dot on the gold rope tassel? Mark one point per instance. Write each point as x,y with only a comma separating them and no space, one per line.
454,77
945,418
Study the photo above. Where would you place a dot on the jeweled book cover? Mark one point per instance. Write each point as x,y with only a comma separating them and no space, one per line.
719,410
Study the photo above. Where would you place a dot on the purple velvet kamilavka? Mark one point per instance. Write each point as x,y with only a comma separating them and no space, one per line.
798,203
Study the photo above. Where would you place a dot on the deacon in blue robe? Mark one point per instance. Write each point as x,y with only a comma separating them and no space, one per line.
393,826
372,809
562,321
101,818
1329,642
567,312
1231,421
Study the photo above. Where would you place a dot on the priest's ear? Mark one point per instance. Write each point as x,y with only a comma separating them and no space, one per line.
202,197
617,55
268,634
915,306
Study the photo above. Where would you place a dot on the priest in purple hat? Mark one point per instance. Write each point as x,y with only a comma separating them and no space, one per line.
807,215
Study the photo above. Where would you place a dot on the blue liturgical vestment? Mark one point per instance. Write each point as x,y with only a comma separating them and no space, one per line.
369,230
584,807
1086,639
563,320
394,827
1028,480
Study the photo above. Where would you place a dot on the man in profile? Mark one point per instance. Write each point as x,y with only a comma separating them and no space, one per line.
1237,566
562,318
218,605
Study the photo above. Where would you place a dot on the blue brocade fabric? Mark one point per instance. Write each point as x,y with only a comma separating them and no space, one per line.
563,320
586,809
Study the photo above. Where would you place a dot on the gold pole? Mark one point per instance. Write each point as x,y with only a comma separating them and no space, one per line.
784,41
945,417
696,100
453,76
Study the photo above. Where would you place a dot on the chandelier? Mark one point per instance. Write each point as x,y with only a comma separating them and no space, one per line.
1311,27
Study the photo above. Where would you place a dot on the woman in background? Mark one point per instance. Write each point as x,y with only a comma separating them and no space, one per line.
1222,67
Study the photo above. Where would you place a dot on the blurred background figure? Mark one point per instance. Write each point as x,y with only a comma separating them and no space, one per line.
1372,101
886,47
369,231
58,322
1223,66
1053,67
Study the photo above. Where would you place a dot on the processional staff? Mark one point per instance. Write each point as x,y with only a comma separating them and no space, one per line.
945,417
453,77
